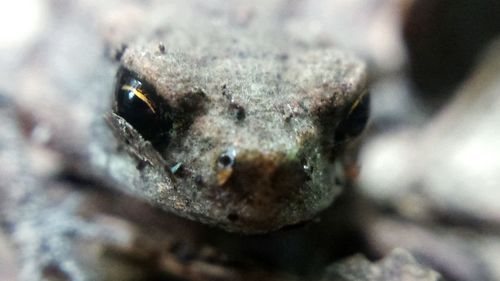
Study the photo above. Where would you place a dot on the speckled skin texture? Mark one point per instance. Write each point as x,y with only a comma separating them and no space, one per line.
69,160
293,97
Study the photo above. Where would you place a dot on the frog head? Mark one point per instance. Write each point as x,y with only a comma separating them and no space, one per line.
249,143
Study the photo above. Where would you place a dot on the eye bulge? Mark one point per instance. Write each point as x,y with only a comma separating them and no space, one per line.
355,120
137,102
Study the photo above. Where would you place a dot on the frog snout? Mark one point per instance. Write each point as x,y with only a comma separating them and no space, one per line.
260,190
256,174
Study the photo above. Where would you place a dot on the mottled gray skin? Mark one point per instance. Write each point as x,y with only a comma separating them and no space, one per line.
293,97
59,122
66,162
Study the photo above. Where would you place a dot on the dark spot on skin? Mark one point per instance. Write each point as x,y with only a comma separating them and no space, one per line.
191,105
161,48
235,107
198,180
232,217
141,165
240,114
225,92
239,110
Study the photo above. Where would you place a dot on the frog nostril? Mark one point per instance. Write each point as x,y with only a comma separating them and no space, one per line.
226,159
225,163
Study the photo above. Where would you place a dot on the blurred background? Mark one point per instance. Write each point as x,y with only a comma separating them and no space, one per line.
428,172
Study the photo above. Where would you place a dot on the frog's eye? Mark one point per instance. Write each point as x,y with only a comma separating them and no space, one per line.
355,120
137,102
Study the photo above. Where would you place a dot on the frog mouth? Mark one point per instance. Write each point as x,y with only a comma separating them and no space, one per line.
261,190
261,175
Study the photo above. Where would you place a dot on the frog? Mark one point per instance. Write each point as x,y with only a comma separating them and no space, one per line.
233,129
250,125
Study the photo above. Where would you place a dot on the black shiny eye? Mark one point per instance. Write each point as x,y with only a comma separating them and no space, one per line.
137,102
355,121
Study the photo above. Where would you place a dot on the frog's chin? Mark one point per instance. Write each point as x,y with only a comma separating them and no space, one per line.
251,219
256,203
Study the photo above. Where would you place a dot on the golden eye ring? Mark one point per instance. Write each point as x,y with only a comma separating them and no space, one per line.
137,102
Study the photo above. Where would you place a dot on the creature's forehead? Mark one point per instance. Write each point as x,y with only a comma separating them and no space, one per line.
257,76
206,67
